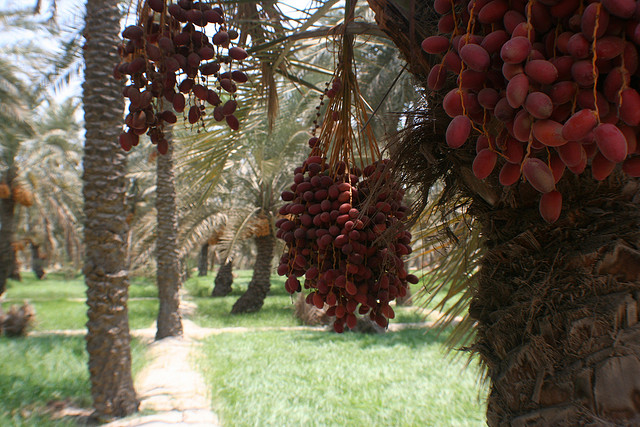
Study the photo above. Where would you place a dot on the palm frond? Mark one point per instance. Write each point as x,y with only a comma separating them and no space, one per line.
448,246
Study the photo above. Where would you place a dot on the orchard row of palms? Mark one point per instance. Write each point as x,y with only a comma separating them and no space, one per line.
551,305
213,182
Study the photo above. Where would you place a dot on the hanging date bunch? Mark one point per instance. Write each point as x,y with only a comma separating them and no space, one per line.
175,66
343,231
542,86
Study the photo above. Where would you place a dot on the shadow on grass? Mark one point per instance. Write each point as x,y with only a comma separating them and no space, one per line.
44,375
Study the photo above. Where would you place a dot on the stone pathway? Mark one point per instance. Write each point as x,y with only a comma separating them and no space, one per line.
169,386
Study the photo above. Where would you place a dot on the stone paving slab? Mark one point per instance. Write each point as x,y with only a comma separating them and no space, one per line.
170,387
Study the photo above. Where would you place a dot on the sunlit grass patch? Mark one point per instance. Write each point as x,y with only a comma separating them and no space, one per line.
309,378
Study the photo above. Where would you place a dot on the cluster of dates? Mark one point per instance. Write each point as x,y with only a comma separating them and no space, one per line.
170,58
545,85
334,219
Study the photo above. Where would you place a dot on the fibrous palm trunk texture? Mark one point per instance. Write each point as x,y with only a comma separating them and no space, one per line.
168,262
203,260
557,310
223,280
7,208
14,265
557,305
253,299
108,339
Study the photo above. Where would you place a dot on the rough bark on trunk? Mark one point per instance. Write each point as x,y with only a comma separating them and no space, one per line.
105,228
253,299
14,266
168,270
223,280
557,305
7,208
203,260
557,309
36,261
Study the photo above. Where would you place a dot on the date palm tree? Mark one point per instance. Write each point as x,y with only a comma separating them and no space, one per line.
555,305
51,161
14,128
168,262
105,270
262,164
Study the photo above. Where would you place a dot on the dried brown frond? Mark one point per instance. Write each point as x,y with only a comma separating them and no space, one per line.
343,135
18,320
22,195
261,226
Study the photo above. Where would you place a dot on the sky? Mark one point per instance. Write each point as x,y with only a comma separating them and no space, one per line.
69,16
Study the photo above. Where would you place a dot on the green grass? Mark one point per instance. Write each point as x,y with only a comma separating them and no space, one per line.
38,370
295,378
53,286
55,295
215,312
56,286
142,313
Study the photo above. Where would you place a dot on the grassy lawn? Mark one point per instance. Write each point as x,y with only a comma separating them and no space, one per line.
38,370
215,312
296,378
55,295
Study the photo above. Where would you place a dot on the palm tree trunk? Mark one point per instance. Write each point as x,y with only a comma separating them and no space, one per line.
223,280
15,266
7,208
556,305
36,261
253,299
203,260
168,270
557,309
105,228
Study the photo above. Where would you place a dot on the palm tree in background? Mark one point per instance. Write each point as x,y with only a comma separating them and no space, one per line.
262,176
168,275
15,127
105,269
29,128
51,163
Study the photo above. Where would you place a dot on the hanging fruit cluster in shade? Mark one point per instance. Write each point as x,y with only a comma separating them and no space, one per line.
542,86
333,238
174,66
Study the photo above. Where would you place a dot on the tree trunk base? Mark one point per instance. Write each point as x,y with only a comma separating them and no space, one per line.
36,261
223,280
558,313
250,302
253,299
